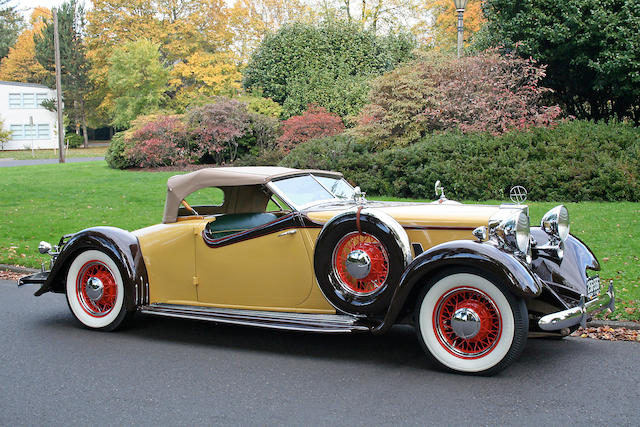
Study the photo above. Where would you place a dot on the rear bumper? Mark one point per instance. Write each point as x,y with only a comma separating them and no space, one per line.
37,279
579,314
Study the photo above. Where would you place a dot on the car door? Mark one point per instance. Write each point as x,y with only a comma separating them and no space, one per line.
266,267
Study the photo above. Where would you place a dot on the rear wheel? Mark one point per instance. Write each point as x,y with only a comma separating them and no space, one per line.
95,291
469,323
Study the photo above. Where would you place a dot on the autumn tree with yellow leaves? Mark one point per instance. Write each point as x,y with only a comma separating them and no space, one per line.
20,65
443,31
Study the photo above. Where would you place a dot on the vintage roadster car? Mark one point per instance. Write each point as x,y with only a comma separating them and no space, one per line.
303,250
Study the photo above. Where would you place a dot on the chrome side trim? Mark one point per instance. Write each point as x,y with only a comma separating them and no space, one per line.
580,313
324,323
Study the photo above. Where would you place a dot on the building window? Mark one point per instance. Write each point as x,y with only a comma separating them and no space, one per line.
16,132
27,100
40,97
21,132
15,100
43,131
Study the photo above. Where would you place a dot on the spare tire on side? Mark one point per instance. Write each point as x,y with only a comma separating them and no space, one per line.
359,259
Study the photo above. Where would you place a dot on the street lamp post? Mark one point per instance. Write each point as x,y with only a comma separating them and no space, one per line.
460,6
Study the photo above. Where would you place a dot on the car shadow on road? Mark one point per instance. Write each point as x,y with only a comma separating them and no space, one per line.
399,347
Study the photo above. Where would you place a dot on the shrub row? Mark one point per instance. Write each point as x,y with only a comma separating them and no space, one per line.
575,161
224,131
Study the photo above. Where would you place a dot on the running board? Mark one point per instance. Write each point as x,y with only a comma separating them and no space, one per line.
326,323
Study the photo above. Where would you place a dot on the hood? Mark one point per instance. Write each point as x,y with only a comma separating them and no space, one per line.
419,214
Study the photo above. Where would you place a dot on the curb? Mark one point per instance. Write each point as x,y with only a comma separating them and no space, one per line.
613,324
18,269
593,324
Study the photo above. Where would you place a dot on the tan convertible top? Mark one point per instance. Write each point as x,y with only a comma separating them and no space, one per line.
180,186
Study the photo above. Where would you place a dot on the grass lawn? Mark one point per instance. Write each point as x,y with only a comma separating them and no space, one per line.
44,202
51,154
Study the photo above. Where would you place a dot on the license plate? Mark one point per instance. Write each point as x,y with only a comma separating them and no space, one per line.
593,287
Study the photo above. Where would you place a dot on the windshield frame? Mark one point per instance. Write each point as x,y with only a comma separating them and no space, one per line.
273,187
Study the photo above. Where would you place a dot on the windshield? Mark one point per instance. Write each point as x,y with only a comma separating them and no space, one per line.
303,190
337,186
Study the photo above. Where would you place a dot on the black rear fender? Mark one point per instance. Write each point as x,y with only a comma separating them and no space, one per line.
120,245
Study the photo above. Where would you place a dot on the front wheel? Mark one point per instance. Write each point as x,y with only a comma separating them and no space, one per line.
95,291
470,323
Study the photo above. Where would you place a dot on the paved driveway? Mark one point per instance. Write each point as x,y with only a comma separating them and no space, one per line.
178,372
5,163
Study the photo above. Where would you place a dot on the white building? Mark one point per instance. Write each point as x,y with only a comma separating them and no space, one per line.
31,125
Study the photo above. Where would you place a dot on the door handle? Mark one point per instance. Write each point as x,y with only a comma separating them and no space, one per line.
287,233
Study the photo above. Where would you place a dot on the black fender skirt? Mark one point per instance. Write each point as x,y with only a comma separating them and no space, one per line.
462,253
120,245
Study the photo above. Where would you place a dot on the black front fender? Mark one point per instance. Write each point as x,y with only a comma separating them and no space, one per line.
120,245
518,277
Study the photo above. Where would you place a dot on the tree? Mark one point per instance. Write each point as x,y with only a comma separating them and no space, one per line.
251,20
4,135
20,64
379,15
487,92
589,46
326,64
203,75
181,29
444,31
74,65
10,25
137,79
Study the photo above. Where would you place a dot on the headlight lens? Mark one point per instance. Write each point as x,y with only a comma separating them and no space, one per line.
556,223
514,232
523,232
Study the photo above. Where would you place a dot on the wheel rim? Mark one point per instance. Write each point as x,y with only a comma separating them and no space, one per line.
467,322
374,268
96,289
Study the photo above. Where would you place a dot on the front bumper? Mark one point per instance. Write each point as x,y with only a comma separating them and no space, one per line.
580,313
38,278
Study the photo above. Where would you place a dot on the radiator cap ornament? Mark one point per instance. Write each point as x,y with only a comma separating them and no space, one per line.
518,194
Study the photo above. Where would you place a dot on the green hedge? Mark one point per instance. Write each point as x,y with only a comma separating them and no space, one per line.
575,161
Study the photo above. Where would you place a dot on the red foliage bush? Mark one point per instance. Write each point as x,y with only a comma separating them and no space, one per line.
314,123
162,141
486,92
217,127
490,92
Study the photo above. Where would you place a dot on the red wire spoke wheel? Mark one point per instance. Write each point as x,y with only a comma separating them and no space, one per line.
96,288
467,322
95,291
374,267
358,262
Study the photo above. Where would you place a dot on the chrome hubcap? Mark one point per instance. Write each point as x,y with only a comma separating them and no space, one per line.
94,288
465,323
358,264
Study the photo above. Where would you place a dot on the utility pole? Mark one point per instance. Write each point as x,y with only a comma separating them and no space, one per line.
56,46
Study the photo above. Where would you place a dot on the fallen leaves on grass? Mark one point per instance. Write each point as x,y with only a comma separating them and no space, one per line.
608,333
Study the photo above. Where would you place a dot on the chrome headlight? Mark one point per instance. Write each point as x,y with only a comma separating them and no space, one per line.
556,224
513,232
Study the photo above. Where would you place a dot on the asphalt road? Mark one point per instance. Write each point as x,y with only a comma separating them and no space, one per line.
7,163
178,372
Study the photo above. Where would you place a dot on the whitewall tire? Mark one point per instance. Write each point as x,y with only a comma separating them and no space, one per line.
469,323
95,291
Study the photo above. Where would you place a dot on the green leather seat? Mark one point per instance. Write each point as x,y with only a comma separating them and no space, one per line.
228,224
